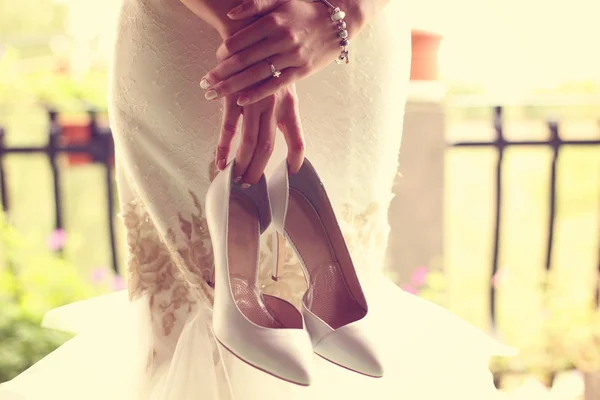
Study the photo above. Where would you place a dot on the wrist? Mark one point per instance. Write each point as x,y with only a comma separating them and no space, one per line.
214,12
356,15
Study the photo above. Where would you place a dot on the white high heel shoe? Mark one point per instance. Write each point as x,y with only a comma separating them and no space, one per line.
263,331
335,309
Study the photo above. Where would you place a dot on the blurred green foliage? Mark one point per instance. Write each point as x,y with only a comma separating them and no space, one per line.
33,280
48,87
554,349
23,341
34,60
30,18
64,92
572,91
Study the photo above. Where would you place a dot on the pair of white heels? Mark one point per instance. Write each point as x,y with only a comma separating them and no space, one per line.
265,331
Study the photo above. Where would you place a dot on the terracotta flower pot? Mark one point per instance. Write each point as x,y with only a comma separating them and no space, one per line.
425,47
75,133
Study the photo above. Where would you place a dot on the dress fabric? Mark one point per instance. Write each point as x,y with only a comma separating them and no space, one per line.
154,341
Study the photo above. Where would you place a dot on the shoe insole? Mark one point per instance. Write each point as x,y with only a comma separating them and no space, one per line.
329,296
243,252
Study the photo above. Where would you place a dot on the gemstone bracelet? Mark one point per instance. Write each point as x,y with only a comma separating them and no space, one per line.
338,16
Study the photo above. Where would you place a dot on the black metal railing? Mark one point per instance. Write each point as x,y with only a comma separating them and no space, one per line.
100,149
500,143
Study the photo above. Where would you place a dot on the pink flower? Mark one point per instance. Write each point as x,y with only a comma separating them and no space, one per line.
98,275
57,239
118,283
498,278
410,289
419,276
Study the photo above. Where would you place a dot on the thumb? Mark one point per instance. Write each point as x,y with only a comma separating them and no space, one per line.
254,8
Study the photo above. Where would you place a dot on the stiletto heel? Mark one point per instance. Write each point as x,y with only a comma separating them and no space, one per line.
261,330
278,254
211,277
334,307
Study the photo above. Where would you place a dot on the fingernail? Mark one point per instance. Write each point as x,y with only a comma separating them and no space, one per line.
243,100
236,11
211,94
237,180
245,185
221,164
204,84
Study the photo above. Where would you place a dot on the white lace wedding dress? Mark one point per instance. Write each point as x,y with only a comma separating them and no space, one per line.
155,343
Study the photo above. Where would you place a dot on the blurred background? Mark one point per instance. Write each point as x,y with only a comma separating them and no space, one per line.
497,208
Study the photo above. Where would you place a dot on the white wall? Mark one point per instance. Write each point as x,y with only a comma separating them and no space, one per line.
515,44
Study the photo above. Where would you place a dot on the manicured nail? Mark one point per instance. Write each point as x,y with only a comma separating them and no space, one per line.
237,179
211,94
245,185
204,84
243,100
236,11
221,164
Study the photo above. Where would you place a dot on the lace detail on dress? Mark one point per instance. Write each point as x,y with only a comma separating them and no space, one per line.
152,271
194,255
171,272
365,232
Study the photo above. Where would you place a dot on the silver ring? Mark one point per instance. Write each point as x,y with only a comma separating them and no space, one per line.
274,72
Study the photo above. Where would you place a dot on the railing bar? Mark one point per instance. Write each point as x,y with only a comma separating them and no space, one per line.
111,215
88,149
103,153
53,139
555,143
598,269
3,188
58,149
525,143
499,128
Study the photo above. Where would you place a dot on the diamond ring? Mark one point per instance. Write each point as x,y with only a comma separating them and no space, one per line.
274,71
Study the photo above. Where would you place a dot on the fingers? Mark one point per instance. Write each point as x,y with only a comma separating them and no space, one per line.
253,8
245,37
231,117
250,129
264,148
250,77
291,127
269,86
243,60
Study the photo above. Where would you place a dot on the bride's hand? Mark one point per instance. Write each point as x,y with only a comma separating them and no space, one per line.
298,37
260,123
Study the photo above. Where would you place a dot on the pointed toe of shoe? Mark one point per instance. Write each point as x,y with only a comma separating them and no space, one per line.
300,373
290,361
293,359
351,348
284,353
288,357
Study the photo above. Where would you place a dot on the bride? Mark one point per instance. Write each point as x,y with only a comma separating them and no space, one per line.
215,308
